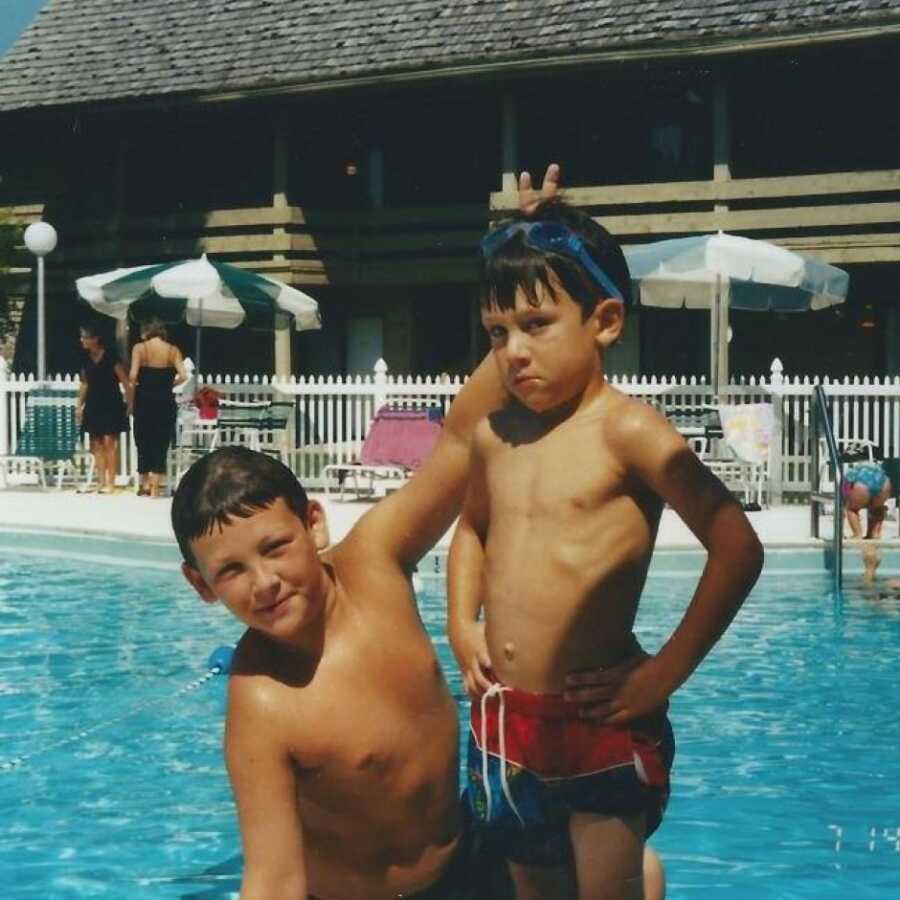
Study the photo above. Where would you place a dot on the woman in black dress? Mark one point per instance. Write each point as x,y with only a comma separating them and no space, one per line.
156,366
101,406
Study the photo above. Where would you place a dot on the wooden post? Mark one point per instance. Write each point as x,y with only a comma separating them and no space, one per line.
721,173
509,182
122,347
721,138
283,361
776,460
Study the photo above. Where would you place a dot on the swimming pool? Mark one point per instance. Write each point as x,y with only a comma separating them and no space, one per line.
136,808
786,783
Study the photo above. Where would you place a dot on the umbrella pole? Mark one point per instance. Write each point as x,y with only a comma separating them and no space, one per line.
197,343
722,349
718,334
197,354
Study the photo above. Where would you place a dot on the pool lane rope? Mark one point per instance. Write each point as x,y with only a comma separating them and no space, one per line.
219,663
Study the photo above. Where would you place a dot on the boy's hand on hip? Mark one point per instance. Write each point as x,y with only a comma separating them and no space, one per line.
529,198
471,652
621,693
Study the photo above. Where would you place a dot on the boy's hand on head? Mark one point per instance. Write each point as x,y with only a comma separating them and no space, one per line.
471,652
529,198
618,694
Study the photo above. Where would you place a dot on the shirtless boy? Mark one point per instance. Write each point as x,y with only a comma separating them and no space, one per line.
341,734
566,489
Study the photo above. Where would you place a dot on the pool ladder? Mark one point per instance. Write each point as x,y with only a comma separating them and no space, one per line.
821,427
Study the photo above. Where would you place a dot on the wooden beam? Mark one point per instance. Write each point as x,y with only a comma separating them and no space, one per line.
23,214
753,219
721,140
509,136
838,183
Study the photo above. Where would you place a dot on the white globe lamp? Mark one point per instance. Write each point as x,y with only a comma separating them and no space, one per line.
40,239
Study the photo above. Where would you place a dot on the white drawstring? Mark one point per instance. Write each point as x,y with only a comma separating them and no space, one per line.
496,690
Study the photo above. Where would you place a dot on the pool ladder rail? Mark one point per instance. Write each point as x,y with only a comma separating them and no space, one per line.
821,427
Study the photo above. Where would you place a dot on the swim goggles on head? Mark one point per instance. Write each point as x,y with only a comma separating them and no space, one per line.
553,237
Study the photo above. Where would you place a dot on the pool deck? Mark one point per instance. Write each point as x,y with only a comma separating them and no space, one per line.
126,516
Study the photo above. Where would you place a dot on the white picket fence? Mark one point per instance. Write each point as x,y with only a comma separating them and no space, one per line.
332,413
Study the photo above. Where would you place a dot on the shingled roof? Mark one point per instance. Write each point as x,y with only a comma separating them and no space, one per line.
82,51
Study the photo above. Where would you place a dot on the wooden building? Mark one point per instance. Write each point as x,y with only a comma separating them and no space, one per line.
358,149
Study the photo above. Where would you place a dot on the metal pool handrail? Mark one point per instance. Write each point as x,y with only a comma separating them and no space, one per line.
822,420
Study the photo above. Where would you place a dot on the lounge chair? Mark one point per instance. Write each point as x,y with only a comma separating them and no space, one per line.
50,439
260,426
398,442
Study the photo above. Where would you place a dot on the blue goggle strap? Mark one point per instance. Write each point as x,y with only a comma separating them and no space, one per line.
566,243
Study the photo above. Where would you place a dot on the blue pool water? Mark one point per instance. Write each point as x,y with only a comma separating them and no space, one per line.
786,782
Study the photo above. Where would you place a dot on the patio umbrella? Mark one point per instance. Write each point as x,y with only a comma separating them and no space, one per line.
202,293
718,271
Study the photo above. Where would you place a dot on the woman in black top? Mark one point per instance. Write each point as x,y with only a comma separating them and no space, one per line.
156,366
101,406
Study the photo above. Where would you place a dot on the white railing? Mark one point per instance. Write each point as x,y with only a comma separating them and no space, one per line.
333,413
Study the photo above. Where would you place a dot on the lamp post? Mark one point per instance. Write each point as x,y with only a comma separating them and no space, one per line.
40,239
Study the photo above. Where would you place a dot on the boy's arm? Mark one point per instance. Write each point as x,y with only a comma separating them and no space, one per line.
408,523
656,455
464,583
265,792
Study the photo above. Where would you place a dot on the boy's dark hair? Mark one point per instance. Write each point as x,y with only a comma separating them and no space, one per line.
516,265
233,481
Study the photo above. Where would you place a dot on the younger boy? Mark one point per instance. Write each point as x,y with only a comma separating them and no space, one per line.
566,489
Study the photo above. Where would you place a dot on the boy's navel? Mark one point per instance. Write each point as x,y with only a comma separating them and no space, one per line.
509,651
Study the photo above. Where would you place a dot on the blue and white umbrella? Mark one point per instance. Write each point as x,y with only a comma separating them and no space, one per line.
718,271
202,293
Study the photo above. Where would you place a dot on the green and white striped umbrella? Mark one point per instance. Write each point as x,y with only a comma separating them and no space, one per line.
202,293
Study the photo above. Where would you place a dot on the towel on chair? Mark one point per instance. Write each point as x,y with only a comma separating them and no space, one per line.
748,431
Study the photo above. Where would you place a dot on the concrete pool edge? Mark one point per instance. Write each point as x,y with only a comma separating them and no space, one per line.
118,548
106,548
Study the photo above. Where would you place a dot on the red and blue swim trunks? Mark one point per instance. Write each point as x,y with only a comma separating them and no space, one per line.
532,762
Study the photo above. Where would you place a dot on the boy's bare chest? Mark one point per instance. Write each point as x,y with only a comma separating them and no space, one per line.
568,469
376,700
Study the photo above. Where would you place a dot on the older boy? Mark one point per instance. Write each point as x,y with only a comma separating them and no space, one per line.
566,489
341,733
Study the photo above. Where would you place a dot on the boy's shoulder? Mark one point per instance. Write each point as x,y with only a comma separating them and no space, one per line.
627,417
267,689
632,427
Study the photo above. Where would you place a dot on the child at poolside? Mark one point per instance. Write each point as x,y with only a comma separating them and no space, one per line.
865,485
566,490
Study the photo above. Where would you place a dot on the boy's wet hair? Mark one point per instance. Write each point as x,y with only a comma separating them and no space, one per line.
233,481
515,265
